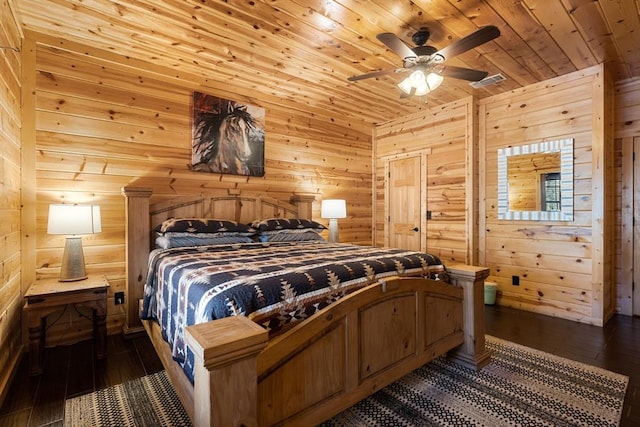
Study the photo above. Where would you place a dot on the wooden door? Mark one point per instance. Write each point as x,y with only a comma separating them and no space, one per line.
405,203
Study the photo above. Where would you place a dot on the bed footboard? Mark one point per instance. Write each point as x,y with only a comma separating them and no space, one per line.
338,356
324,364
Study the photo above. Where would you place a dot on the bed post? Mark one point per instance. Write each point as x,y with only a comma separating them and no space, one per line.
304,202
226,371
472,352
137,253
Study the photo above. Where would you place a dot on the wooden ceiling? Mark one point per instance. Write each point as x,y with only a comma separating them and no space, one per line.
302,51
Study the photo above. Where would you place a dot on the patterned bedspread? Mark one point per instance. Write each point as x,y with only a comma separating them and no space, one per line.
274,284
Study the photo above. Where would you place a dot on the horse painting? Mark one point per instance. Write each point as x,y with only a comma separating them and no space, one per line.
227,138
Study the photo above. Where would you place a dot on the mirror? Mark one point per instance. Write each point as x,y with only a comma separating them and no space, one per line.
535,181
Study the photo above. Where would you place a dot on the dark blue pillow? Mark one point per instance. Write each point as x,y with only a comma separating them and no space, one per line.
275,224
203,225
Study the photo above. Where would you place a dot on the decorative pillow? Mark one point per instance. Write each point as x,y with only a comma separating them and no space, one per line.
302,235
203,225
167,241
274,224
437,272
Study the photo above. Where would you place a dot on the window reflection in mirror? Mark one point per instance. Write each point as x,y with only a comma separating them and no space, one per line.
535,181
550,191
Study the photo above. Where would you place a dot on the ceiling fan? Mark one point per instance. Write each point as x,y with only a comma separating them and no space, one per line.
427,63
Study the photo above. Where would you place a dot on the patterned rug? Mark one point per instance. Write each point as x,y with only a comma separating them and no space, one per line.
521,387
148,401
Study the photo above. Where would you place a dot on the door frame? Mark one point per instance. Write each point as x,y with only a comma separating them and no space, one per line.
628,281
423,193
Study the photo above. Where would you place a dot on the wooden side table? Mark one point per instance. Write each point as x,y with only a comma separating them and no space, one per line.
46,296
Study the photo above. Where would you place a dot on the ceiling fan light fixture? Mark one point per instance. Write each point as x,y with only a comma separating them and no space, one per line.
420,84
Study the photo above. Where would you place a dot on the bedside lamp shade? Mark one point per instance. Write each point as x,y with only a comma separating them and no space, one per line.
333,209
73,220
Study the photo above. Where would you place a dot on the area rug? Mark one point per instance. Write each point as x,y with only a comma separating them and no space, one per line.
149,401
521,387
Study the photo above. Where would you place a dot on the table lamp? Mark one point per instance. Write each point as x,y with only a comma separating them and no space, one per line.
73,220
333,209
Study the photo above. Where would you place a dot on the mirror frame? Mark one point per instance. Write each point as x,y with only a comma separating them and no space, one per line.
565,148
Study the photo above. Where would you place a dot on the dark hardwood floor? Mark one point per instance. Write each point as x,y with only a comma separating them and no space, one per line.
71,370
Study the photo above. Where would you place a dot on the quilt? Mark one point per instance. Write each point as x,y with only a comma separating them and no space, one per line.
274,284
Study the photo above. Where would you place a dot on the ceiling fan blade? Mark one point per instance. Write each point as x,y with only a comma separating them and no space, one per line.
394,43
369,75
462,73
469,42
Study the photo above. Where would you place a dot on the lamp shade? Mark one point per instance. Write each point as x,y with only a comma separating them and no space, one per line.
333,208
74,219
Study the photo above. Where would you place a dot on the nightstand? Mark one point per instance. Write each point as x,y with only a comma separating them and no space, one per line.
46,296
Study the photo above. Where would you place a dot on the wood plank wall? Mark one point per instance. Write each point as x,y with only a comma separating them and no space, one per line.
447,133
564,267
10,194
104,121
574,269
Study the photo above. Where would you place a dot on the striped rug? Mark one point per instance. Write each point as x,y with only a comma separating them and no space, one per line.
521,387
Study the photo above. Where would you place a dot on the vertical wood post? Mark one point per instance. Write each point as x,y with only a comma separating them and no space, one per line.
137,252
472,352
226,377
304,202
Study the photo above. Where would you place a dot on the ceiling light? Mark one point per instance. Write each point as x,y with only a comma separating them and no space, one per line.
420,84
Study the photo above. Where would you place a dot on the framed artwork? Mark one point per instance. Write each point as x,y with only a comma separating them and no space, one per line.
227,137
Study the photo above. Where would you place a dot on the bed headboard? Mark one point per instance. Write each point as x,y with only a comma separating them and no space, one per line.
141,217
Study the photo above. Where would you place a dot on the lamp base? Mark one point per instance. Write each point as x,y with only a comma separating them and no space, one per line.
72,268
333,230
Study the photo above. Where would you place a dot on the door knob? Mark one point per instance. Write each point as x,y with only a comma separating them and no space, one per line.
415,229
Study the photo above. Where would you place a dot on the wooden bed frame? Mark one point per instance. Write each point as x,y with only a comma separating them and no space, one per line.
322,365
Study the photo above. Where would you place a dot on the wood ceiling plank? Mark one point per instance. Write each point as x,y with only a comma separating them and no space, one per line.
622,18
532,33
591,23
506,18
558,23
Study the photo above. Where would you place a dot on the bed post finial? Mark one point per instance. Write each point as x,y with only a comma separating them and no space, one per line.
137,253
304,202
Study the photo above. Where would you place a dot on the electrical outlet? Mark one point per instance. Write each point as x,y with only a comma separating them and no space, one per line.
118,298
515,280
